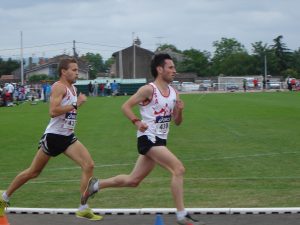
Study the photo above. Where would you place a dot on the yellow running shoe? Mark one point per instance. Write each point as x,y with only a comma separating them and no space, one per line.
88,214
3,205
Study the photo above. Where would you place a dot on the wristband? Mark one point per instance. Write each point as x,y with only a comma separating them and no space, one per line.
74,104
135,120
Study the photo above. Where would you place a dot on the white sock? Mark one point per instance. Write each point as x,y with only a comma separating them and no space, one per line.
83,207
181,214
96,186
5,197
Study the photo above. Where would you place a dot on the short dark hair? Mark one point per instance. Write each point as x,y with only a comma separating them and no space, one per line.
64,64
158,60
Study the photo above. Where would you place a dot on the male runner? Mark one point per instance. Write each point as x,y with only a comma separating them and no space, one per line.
59,137
158,102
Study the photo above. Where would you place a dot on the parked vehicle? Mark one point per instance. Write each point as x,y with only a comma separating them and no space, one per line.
177,85
274,85
205,85
189,86
232,87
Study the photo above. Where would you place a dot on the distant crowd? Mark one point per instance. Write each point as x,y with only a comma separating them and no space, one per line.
12,94
104,89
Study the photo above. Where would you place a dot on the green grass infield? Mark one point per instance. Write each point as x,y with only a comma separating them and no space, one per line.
239,150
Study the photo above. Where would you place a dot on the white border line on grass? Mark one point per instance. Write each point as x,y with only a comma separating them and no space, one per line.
145,211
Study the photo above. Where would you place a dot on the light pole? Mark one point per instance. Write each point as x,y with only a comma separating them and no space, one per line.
133,66
266,71
21,55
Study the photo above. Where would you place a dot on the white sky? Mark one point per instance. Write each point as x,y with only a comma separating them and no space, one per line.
107,26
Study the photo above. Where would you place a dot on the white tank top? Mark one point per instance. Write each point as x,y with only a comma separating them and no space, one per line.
157,113
65,123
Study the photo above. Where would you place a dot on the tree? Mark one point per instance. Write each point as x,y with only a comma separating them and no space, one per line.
108,63
7,67
95,62
290,73
194,61
237,64
168,47
295,63
260,51
282,54
227,53
38,77
226,47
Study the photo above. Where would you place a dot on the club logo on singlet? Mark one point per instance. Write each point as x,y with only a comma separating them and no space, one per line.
70,120
162,124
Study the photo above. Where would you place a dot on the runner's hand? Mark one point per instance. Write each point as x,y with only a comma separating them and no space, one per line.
81,99
141,126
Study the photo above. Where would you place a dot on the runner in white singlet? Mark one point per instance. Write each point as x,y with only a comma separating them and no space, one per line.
157,113
159,104
59,137
65,124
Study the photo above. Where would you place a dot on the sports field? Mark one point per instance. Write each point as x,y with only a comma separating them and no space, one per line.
239,150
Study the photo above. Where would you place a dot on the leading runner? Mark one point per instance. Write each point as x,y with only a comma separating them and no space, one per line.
159,103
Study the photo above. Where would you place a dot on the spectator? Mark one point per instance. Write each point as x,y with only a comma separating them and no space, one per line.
44,87
108,88
22,93
114,88
255,83
245,85
10,90
90,88
101,87
95,89
2,95
293,83
48,92
289,84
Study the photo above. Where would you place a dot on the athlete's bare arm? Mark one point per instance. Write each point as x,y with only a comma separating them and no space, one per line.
143,94
57,93
177,113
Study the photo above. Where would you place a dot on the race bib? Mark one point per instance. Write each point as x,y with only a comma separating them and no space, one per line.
70,121
162,124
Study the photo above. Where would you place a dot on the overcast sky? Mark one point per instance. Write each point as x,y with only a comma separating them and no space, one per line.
107,26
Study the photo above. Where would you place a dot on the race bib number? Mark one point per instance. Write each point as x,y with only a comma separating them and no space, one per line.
70,121
162,124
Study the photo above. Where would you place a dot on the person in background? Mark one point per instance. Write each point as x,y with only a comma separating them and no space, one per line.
90,88
108,88
95,89
101,87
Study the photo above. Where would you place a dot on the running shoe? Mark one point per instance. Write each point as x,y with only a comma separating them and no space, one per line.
89,191
88,214
3,205
188,220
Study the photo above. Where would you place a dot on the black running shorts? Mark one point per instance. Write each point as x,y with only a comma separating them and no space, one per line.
144,143
55,144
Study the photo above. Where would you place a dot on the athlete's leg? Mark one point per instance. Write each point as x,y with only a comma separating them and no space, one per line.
164,157
79,153
143,167
39,162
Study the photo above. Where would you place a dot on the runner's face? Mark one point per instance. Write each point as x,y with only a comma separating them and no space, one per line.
168,71
71,73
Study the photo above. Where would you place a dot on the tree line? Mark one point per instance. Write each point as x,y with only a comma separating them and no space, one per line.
230,58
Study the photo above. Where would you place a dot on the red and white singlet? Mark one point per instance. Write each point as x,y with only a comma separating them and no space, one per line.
65,123
157,113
